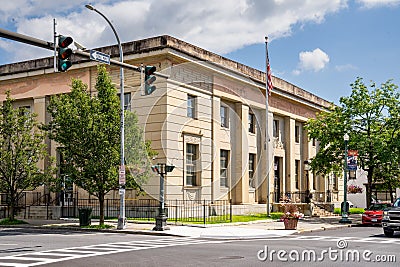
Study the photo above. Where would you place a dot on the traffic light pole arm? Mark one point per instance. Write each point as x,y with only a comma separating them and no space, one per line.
26,39
50,46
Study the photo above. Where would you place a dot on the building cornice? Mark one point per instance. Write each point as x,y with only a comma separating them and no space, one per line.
157,43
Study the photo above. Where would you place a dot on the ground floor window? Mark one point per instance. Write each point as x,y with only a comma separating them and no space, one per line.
224,160
191,164
252,160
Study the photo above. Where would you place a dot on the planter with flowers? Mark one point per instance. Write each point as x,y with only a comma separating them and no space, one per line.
291,216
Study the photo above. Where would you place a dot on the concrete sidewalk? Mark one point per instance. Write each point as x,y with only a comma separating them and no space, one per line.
255,229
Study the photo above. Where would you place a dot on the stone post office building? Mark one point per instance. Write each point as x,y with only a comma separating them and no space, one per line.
207,119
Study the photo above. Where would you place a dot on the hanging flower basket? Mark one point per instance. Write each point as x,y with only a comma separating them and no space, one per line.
291,223
354,189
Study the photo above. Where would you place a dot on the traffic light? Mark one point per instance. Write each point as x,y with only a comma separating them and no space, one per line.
154,168
169,168
64,53
149,79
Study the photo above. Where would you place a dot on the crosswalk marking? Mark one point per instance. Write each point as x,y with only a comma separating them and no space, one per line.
64,254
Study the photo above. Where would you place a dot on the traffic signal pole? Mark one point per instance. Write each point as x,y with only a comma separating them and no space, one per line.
54,42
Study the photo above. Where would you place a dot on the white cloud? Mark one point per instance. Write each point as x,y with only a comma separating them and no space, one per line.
218,26
378,3
315,60
346,67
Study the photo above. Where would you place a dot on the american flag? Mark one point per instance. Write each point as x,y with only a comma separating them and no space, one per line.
269,76
269,79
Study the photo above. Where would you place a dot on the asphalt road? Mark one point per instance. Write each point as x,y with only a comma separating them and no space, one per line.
356,246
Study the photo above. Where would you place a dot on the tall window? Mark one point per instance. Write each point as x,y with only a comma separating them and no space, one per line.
191,106
297,134
313,142
25,110
275,130
252,164
191,161
224,160
224,117
252,123
127,101
335,182
314,182
297,173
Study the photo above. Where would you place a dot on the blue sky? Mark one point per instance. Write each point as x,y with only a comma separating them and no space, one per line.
321,46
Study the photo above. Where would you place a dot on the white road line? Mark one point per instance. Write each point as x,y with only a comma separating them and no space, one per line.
97,250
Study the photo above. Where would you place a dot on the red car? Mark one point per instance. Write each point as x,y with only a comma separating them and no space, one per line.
373,214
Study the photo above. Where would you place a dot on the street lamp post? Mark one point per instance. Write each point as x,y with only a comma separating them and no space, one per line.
307,192
344,207
121,217
161,219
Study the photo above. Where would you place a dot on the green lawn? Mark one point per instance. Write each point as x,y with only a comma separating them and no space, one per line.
7,221
351,211
217,220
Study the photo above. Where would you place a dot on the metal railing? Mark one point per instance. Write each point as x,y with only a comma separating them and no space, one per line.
203,211
305,196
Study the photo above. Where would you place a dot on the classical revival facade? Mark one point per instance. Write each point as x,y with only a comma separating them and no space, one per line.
207,119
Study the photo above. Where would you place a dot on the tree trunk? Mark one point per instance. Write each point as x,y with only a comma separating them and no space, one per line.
12,204
101,202
11,211
369,186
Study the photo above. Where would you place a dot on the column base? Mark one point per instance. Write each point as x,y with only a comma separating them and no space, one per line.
121,224
345,219
161,223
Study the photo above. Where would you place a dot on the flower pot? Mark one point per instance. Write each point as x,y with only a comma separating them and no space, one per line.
291,223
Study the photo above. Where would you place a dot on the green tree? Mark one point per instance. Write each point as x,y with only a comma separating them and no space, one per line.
87,127
370,116
22,148
137,153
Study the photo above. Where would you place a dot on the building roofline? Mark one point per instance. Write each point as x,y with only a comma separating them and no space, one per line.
167,41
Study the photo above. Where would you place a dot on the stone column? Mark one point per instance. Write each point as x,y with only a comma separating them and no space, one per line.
240,186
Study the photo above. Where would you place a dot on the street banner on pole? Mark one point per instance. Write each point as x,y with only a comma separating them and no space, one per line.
352,156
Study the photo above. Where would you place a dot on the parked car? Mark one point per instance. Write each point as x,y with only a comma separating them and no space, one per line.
374,213
391,219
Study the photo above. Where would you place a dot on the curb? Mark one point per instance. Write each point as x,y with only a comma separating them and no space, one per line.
80,229
167,233
325,228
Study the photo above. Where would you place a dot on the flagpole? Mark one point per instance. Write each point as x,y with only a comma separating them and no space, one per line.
267,92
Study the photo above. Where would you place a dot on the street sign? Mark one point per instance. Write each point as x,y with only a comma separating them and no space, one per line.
100,57
122,179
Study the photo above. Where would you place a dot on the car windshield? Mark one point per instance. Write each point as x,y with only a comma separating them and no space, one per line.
397,203
378,206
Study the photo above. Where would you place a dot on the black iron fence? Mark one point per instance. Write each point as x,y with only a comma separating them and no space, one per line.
26,198
203,211
305,196
199,211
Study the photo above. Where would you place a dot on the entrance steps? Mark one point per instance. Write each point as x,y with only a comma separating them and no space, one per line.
319,211
36,212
